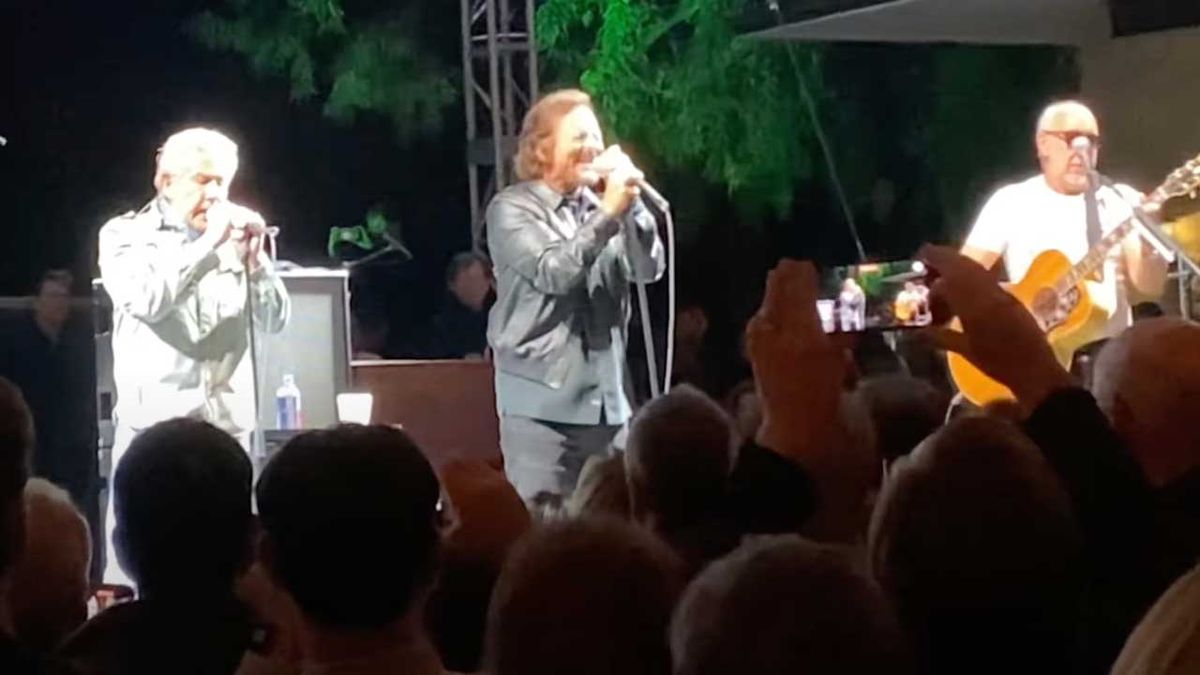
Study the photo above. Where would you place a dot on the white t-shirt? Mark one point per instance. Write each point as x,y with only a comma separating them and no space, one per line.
1022,220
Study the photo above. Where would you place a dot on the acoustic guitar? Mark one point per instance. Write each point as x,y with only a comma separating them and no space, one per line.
1056,293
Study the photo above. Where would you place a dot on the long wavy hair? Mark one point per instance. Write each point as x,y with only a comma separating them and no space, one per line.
536,142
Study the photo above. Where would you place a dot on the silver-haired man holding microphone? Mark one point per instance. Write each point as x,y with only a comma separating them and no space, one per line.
186,275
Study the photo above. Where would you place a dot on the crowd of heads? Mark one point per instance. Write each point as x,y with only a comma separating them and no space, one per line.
677,556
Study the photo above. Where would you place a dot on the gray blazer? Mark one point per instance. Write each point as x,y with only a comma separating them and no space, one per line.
180,322
562,294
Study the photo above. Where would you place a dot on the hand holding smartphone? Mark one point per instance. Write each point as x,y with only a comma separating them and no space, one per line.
875,297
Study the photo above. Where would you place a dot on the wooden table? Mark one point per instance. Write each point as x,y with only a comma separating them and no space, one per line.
448,407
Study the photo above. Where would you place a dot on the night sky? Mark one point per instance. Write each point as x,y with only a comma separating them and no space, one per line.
94,88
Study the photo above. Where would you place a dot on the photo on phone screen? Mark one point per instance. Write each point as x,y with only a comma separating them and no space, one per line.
876,296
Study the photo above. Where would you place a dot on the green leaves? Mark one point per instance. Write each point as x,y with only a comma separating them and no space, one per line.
372,65
672,79
327,14
381,70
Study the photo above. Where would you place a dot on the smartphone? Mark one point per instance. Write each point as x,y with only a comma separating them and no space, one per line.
875,297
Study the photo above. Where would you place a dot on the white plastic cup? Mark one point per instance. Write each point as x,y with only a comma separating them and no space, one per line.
825,310
354,408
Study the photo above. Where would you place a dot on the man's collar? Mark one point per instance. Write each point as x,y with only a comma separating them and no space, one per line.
551,198
548,196
171,221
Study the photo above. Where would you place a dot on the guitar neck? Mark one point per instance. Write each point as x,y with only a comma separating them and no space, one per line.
1095,256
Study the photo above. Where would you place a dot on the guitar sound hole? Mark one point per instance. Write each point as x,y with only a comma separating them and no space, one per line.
1069,300
1048,308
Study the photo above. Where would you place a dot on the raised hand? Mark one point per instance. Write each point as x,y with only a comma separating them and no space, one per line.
621,180
242,226
1000,337
218,225
798,369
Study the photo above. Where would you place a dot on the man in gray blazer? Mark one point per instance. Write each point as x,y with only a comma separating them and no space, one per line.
181,273
563,259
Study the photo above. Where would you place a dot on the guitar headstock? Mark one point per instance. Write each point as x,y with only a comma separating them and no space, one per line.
1183,181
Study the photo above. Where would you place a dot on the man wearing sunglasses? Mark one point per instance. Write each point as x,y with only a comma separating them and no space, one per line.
1050,211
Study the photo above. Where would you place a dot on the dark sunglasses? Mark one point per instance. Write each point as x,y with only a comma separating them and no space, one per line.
1069,137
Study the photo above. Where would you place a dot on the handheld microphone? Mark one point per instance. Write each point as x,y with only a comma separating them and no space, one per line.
242,218
654,196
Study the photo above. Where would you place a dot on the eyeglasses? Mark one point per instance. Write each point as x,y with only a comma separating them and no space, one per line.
1069,137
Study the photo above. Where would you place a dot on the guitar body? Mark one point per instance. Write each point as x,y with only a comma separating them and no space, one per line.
1070,322
1069,315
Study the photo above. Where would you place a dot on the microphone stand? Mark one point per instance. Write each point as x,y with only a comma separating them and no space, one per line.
1166,247
258,444
656,389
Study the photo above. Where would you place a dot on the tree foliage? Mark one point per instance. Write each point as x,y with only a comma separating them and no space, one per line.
941,123
673,78
369,64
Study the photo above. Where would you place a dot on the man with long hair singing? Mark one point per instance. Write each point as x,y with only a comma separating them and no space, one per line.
564,258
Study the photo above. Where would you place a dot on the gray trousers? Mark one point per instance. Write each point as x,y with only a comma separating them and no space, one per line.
547,457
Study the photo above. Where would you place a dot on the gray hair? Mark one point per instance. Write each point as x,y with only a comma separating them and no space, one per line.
182,152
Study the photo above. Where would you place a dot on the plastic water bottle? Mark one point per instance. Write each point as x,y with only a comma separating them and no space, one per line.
287,404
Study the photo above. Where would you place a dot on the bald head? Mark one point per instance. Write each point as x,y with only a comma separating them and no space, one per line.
1059,124
972,536
680,452
785,605
1068,116
948,488
1147,380
50,580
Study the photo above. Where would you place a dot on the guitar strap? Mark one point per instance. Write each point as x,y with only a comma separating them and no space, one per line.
1092,211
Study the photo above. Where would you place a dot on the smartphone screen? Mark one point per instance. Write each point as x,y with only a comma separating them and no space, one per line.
873,297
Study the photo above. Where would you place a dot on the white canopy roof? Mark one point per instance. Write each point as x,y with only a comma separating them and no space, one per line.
999,22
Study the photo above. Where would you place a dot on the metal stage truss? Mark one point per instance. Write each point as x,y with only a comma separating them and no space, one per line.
500,82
